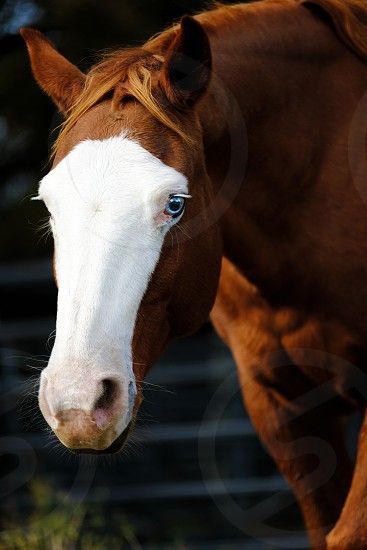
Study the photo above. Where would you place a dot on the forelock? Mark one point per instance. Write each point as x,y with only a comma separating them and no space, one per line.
127,73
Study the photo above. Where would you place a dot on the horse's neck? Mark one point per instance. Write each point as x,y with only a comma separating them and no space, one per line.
256,45
278,69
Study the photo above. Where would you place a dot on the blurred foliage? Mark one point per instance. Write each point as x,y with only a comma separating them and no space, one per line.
79,28
56,523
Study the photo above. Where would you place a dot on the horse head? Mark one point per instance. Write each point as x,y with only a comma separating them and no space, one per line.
137,257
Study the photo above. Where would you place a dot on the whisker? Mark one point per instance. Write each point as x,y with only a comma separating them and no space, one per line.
180,228
156,387
44,229
52,335
38,368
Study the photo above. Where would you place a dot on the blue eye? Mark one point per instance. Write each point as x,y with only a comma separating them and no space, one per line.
175,206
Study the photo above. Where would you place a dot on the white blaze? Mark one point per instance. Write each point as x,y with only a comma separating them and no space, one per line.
104,197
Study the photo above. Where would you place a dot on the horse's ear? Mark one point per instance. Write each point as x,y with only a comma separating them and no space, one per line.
186,70
59,78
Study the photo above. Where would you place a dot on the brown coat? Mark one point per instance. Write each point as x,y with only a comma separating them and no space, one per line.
274,149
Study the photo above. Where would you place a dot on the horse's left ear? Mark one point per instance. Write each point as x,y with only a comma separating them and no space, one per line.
59,78
187,67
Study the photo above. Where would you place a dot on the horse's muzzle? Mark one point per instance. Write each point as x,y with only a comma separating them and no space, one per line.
92,417
114,448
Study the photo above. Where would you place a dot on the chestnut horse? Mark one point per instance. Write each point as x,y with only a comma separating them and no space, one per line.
219,168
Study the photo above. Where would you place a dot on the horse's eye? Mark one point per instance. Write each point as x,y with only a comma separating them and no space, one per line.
175,206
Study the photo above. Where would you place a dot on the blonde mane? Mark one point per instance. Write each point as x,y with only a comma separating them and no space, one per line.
135,66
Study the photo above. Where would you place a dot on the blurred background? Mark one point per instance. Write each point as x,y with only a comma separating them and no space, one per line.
194,474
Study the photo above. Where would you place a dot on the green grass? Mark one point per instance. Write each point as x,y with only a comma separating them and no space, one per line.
56,523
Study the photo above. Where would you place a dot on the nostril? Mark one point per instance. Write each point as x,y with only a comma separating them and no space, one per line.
104,404
108,394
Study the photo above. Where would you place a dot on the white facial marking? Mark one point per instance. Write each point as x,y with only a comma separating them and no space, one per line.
104,198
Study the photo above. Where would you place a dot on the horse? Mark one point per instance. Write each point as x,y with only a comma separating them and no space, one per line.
219,170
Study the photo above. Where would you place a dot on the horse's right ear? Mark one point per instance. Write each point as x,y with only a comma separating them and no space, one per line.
59,78
187,67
